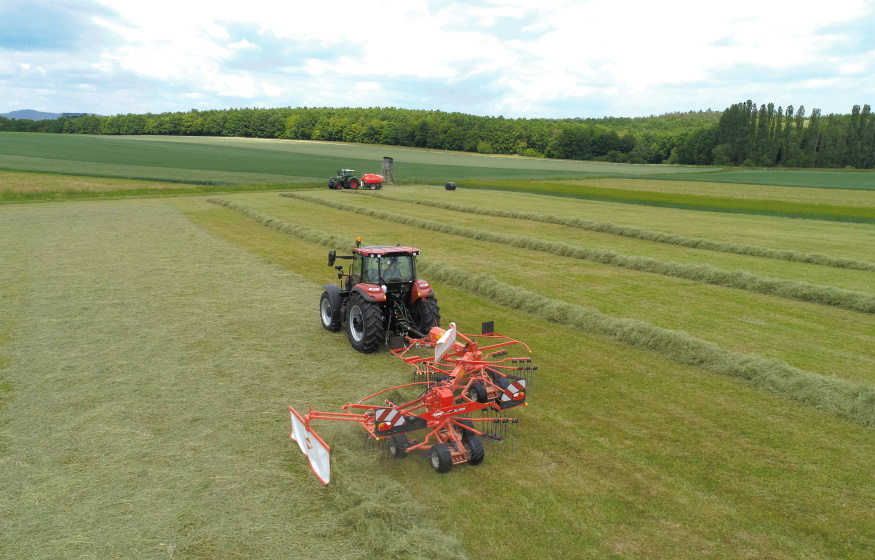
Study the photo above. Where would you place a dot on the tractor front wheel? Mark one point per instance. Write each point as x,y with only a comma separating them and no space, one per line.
426,314
364,324
441,458
330,317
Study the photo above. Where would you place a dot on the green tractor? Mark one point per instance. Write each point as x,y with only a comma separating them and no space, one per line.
345,179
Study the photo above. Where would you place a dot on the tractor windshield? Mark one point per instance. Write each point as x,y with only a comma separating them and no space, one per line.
397,268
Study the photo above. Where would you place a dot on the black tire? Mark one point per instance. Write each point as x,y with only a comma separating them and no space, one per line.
467,431
475,450
330,317
441,458
398,446
477,392
364,325
425,314
331,184
353,184
372,186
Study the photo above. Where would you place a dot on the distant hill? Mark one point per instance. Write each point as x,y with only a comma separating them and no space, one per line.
30,114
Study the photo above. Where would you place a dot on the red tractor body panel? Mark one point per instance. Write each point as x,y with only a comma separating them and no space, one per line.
370,292
419,290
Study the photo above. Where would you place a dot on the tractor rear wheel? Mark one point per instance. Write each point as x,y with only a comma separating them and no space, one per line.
475,450
364,324
398,446
441,458
426,314
353,183
330,317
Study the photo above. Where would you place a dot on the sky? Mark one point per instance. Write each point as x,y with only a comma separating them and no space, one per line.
514,58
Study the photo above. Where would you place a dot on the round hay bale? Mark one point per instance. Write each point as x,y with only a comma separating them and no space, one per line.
451,186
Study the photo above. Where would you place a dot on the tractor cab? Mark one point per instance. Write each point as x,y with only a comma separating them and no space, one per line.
393,267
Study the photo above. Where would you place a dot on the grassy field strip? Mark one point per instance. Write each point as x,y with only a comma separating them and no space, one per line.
147,375
852,401
830,196
634,455
840,239
846,278
647,235
779,208
143,172
832,179
812,337
825,295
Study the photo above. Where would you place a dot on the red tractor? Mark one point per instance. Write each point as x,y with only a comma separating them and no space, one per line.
379,299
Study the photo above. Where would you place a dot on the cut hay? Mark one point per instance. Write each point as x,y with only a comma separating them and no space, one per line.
845,399
649,235
737,279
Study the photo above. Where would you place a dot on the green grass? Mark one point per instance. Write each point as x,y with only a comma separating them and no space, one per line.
826,295
636,456
252,161
689,202
856,180
800,333
853,401
638,233
146,389
149,349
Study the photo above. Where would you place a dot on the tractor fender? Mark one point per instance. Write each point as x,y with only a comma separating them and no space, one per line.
371,292
420,289
335,299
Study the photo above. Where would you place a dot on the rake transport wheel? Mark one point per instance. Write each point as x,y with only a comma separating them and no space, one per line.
475,450
330,317
363,324
441,458
426,314
398,446
477,392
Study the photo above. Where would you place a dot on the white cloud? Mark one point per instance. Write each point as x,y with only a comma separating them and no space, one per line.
516,57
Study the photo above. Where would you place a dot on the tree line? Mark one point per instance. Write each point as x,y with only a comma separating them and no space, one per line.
741,135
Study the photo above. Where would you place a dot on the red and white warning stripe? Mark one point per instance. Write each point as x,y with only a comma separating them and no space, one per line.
512,390
386,418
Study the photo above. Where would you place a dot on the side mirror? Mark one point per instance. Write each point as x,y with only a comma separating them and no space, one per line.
331,256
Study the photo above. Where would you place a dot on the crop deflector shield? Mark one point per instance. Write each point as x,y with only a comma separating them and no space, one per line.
444,343
316,450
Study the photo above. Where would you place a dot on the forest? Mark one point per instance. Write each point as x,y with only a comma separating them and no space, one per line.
742,135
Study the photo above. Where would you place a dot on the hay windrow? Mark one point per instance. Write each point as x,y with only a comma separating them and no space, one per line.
648,235
802,291
845,399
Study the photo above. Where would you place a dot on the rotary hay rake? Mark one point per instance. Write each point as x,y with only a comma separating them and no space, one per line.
459,379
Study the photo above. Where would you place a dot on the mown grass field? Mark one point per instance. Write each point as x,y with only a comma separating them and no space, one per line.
150,347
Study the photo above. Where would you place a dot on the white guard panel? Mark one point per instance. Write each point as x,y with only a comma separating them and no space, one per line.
317,452
444,343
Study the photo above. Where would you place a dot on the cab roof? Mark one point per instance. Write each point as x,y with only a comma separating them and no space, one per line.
386,250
